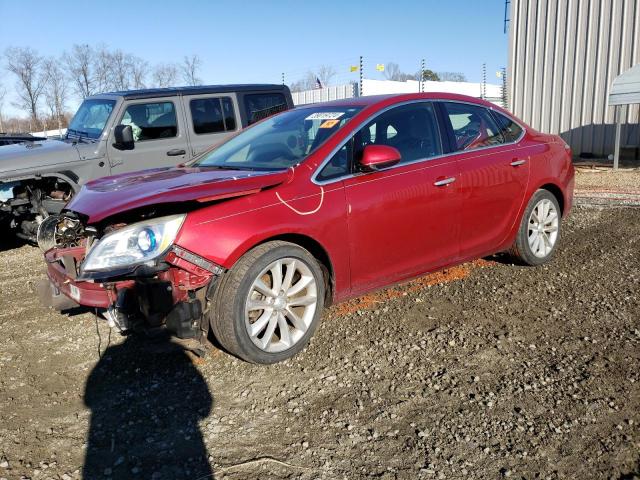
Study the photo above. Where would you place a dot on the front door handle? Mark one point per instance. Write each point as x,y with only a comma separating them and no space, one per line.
446,181
176,152
517,163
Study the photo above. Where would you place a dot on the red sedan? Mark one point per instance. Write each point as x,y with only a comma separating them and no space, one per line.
315,205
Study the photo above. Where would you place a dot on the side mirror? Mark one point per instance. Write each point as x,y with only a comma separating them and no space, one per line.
378,157
123,135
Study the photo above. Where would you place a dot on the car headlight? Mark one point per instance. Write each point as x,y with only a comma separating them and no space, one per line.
133,245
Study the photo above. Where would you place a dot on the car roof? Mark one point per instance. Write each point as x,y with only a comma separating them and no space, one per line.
201,89
402,97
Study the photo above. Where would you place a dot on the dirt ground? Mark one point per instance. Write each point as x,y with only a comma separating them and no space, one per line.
599,178
487,370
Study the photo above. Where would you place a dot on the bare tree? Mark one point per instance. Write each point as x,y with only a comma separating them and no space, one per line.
392,71
325,74
120,70
139,69
25,63
55,92
103,75
3,94
95,70
79,65
165,75
452,77
308,82
190,67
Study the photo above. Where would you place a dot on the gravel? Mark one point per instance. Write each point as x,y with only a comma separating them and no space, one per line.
488,370
623,180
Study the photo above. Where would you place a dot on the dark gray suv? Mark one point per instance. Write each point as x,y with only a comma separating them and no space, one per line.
119,132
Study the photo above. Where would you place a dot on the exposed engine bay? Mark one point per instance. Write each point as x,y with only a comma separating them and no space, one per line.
169,293
25,204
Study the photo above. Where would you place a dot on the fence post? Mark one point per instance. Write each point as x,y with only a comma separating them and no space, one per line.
505,100
619,114
360,85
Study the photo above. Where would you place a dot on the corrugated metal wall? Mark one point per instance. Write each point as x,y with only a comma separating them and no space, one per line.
563,57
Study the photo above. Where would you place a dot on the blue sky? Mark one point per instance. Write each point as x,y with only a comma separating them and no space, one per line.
255,41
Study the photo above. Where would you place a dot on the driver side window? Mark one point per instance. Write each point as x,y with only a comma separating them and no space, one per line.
412,129
151,121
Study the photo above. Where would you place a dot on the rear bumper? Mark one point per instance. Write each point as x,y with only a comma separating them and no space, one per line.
568,194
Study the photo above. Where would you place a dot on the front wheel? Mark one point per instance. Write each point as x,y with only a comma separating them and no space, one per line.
269,304
539,231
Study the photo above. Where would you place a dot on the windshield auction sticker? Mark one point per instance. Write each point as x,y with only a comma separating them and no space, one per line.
325,116
329,123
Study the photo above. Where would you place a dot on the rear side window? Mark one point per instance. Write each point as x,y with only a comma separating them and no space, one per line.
151,121
509,129
212,115
473,126
263,105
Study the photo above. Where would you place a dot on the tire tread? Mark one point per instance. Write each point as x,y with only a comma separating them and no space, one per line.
224,298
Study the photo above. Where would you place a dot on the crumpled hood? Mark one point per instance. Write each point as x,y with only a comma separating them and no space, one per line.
108,196
32,156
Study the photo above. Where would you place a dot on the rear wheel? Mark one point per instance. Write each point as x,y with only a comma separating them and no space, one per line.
267,307
539,231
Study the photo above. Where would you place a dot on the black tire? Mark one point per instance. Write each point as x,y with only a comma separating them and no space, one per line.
521,251
227,313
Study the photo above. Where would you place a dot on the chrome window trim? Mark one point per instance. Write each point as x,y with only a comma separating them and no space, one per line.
428,159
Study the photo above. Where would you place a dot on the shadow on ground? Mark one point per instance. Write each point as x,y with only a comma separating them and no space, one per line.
145,407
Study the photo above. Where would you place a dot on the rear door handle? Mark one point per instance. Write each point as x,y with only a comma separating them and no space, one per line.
517,163
176,152
446,181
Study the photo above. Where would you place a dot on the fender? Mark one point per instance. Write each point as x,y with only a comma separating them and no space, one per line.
538,185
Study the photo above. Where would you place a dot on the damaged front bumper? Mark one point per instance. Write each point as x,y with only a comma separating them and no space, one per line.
169,294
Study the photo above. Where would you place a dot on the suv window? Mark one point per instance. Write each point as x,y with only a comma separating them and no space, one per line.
473,126
151,121
509,129
412,129
263,105
212,115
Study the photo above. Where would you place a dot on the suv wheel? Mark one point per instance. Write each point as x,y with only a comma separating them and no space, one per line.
269,304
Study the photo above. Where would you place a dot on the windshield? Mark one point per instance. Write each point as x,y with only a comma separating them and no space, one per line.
281,141
90,119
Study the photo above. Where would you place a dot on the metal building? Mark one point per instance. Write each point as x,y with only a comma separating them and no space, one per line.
563,58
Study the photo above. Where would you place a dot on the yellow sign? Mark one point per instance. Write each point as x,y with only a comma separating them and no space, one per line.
353,68
329,123
380,67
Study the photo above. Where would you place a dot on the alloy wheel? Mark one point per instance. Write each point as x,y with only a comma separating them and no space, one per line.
543,228
281,305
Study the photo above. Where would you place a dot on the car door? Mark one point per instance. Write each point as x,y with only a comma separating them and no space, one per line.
403,220
160,139
494,172
210,119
